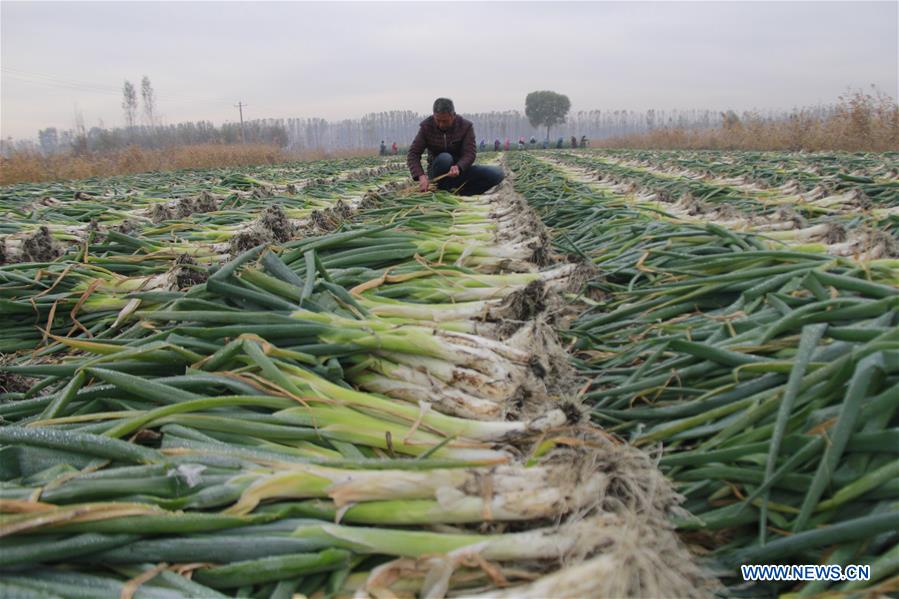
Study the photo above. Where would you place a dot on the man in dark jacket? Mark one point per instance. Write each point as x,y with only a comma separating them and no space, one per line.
449,140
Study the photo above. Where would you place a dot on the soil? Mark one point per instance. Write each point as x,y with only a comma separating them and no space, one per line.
543,254
274,220
262,193
574,412
522,305
342,209
324,220
787,214
161,212
663,195
248,239
692,206
860,199
185,207
836,233
14,383
207,202
549,377
41,247
95,231
187,277
583,273
127,227
728,212
879,244
371,199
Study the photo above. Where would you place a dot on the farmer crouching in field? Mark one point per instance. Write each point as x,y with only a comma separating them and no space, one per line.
450,142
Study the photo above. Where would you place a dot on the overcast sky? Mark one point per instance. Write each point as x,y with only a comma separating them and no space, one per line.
342,60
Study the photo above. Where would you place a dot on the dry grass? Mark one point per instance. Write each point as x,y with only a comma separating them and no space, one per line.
22,167
860,122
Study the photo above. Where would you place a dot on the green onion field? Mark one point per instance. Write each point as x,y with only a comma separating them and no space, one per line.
622,373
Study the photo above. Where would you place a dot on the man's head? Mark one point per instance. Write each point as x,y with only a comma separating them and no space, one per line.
444,112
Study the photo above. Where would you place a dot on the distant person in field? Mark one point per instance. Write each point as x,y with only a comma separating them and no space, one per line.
383,151
584,141
573,141
506,145
560,142
521,142
394,148
482,146
533,142
496,145
450,142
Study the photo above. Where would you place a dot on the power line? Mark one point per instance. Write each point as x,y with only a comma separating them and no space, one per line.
62,84
75,85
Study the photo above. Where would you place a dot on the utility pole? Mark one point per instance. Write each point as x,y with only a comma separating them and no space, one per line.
240,106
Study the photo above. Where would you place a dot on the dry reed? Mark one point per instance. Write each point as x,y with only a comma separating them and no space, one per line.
21,167
859,122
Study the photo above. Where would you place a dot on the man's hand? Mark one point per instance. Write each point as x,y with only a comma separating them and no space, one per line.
423,183
454,171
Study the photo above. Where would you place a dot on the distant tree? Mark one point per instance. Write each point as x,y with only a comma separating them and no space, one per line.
79,141
149,97
546,109
129,104
279,136
49,140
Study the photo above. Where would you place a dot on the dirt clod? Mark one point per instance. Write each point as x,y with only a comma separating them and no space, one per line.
41,247
324,220
274,220
248,239
879,244
161,212
14,383
188,273
836,233
185,207
127,227
788,215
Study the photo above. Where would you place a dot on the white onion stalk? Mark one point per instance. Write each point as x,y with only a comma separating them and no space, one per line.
807,234
499,384
383,307
483,430
545,543
504,493
447,400
478,353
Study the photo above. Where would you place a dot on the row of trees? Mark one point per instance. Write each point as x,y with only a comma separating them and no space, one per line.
546,113
365,132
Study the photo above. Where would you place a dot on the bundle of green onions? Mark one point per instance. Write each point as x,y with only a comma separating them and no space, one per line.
770,376
183,420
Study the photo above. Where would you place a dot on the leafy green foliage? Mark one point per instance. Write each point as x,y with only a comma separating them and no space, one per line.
546,109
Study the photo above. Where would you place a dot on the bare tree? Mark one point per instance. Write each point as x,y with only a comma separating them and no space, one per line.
129,104
149,97
79,143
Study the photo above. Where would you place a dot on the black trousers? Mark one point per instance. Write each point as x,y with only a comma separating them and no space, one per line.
474,180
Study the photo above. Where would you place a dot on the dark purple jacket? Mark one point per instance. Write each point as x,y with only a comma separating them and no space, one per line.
458,140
